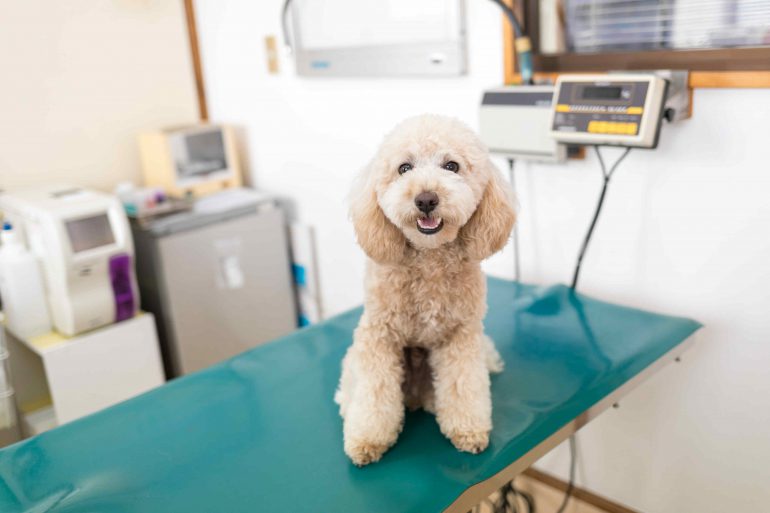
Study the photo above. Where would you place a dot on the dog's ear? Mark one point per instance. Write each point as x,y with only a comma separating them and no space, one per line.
380,239
488,229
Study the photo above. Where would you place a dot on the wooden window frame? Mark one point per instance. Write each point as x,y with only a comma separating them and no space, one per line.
195,55
722,67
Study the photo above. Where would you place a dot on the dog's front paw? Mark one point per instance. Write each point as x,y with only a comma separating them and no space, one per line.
470,441
362,452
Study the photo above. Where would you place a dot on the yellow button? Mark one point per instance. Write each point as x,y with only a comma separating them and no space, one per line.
631,128
562,108
601,127
612,128
592,127
634,110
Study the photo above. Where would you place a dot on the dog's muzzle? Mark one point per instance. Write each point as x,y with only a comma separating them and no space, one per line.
426,202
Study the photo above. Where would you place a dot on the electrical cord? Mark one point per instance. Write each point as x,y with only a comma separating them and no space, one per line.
607,176
511,17
516,264
285,25
509,500
571,482
522,44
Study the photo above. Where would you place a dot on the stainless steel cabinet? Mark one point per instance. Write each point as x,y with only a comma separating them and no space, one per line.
219,283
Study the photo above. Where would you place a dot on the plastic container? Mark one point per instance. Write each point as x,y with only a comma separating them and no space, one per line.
21,288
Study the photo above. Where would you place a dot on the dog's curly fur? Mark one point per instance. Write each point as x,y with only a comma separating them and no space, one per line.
420,341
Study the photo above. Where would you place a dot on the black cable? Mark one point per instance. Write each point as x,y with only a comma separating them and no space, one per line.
522,45
516,264
285,25
571,483
529,501
607,175
510,499
511,17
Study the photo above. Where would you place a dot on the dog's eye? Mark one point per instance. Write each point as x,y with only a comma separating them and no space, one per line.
403,168
452,166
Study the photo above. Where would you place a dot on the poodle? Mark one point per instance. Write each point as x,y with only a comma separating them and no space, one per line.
426,211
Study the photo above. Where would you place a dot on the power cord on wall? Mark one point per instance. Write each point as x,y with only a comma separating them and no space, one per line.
607,175
571,482
285,26
521,43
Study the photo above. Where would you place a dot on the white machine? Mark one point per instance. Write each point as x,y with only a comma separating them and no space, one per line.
609,109
83,241
515,121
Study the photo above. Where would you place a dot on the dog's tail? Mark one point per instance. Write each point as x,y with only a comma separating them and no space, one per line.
494,361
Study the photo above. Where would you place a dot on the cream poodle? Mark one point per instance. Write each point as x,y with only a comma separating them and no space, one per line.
428,208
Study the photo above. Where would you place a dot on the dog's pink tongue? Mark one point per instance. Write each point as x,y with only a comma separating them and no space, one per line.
428,222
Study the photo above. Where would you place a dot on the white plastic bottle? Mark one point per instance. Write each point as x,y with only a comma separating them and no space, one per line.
21,288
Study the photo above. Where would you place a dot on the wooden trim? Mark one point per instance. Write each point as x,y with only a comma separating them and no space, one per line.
730,79
578,493
192,32
721,59
509,57
698,79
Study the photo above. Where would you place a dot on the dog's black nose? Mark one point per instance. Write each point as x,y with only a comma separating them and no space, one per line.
426,201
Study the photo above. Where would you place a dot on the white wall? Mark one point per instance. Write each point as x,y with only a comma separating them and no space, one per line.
684,231
80,79
307,138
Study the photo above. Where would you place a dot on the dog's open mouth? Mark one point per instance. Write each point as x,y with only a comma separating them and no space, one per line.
429,225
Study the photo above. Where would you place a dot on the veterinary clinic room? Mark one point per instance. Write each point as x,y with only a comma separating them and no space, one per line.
385,256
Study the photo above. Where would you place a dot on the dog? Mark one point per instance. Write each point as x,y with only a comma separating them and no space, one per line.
426,211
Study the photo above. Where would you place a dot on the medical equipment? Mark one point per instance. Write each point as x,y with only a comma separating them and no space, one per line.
609,109
234,288
83,241
197,159
514,121
376,38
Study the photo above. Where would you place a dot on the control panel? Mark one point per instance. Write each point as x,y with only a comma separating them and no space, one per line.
611,109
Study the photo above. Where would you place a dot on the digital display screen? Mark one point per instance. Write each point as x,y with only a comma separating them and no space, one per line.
201,154
89,232
602,92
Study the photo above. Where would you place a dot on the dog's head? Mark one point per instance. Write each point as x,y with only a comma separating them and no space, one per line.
431,183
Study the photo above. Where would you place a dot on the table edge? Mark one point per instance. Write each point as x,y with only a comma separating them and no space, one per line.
478,492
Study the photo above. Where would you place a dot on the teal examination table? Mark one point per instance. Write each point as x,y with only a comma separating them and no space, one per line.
260,432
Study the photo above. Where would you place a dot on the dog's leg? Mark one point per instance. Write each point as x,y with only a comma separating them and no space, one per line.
375,411
494,361
462,397
347,383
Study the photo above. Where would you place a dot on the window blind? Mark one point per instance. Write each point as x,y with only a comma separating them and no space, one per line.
631,25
